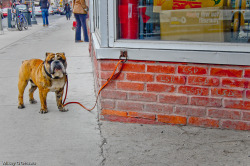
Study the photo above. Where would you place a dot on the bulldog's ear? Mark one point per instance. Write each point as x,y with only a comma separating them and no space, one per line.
59,53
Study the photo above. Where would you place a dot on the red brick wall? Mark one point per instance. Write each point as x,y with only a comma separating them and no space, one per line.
214,96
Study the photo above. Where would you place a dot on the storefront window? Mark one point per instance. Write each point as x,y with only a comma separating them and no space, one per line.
184,20
96,5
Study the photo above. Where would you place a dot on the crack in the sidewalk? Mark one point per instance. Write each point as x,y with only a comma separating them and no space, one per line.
104,142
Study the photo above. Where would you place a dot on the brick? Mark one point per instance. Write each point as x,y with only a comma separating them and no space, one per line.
110,85
132,67
135,96
159,108
247,73
206,101
192,70
129,106
111,94
140,77
107,74
203,81
114,112
224,114
190,111
173,99
248,94
223,72
203,122
160,88
141,61
236,125
246,116
236,83
171,79
142,115
161,69
114,118
191,90
237,104
222,92
130,86
107,104
107,66
172,119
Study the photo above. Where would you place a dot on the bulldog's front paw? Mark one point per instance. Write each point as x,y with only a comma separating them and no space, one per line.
21,106
63,109
43,111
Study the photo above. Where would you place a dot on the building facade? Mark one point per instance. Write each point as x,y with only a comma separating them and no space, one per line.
188,61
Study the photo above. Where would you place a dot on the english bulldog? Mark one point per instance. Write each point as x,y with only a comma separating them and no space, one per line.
48,76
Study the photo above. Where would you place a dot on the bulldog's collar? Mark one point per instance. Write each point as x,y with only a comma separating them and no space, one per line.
46,71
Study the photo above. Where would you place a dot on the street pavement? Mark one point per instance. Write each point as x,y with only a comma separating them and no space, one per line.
77,137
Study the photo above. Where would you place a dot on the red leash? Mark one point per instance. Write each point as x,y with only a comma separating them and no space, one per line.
112,77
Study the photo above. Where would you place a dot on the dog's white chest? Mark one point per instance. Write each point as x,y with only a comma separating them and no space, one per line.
56,85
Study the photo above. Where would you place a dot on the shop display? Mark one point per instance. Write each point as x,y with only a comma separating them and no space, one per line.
185,20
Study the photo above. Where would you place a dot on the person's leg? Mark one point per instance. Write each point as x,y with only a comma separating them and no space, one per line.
47,15
83,18
43,15
78,28
67,15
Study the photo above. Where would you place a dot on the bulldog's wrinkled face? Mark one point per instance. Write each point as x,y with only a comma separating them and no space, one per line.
55,64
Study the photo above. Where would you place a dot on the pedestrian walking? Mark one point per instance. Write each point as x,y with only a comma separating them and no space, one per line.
67,10
45,11
80,10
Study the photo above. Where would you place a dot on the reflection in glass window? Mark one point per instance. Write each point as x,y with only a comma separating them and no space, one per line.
96,14
184,20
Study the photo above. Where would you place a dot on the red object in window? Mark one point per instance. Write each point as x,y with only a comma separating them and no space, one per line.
129,19
145,17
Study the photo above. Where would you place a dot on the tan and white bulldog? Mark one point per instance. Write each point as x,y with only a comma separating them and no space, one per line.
47,76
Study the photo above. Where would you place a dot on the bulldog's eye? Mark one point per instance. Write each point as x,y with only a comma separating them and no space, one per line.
62,60
50,61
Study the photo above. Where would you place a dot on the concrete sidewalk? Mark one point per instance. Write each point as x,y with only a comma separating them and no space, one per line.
77,137
56,138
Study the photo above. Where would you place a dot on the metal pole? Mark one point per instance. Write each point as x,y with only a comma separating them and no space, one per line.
1,25
9,18
33,20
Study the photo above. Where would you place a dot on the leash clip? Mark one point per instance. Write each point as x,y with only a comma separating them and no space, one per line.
123,54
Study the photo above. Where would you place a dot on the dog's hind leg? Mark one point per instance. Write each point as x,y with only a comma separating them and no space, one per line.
31,93
21,87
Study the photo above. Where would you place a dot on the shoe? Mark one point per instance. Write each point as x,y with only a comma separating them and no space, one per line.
43,25
79,41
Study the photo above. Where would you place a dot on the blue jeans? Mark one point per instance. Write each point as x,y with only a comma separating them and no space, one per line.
45,15
81,22
68,15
